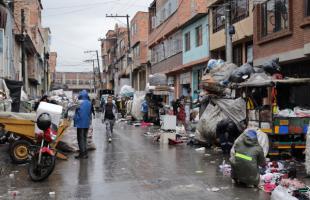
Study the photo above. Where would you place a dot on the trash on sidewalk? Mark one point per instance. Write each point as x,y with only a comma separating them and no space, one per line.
52,194
174,142
225,168
215,189
201,149
13,193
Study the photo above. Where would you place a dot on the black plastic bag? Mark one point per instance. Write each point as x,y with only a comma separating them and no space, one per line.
272,66
242,73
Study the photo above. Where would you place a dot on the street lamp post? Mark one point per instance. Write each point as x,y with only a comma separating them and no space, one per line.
94,75
97,53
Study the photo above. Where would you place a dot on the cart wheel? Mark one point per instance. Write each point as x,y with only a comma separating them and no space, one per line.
19,151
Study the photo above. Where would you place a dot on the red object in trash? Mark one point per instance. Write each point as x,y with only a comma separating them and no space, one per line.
174,142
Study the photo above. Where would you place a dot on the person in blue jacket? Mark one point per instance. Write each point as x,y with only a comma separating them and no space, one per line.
82,119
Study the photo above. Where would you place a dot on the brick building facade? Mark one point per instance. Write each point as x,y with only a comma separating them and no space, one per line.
114,52
139,49
283,30
52,65
76,81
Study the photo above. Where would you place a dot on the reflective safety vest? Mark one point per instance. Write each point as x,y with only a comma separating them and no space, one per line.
244,157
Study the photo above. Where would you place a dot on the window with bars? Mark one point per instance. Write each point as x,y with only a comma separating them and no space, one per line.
239,10
167,48
275,16
136,51
307,7
199,36
187,41
237,55
218,21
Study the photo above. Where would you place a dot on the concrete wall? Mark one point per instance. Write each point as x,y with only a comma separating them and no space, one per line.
196,53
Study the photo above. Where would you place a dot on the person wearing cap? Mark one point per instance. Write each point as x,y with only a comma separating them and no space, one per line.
247,157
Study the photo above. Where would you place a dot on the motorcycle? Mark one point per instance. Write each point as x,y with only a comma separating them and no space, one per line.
42,156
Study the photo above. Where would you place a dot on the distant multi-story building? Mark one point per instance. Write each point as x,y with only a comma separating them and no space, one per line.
114,51
52,65
76,81
139,49
108,54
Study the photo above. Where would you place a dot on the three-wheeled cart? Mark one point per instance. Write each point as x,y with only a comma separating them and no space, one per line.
264,101
19,129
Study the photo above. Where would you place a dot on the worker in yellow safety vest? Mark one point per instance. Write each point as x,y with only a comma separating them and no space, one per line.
248,156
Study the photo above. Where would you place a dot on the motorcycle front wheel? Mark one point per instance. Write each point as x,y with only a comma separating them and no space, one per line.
39,172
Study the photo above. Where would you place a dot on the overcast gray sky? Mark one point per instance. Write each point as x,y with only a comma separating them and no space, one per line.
77,25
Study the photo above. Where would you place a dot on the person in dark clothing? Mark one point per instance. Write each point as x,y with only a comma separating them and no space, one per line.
93,102
82,120
227,132
109,117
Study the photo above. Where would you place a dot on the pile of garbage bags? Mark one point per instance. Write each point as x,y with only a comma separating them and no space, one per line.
127,91
216,111
136,105
218,74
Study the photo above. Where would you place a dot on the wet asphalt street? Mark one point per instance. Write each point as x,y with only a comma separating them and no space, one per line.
132,167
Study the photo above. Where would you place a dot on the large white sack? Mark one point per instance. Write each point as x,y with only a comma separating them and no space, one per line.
136,105
206,127
127,91
281,193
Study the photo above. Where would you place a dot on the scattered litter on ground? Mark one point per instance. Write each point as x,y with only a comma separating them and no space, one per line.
207,155
52,194
212,162
11,175
200,149
224,188
225,168
137,124
215,189
199,172
217,149
13,193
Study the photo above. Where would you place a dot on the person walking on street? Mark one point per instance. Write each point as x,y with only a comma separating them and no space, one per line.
181,116
109,112
145,110
82,119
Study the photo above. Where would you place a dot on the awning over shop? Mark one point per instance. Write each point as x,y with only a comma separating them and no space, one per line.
288,81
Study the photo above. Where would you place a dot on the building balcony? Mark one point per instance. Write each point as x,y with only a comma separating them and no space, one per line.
168,65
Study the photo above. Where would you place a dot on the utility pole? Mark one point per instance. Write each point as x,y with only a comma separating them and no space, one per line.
94,76
23,48
228,29
100,78
129,42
